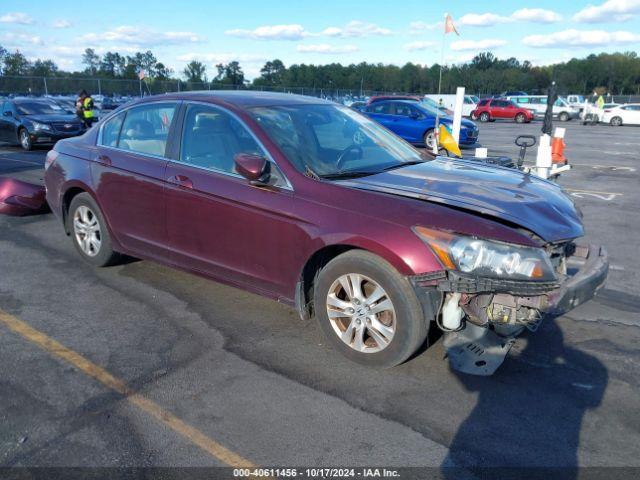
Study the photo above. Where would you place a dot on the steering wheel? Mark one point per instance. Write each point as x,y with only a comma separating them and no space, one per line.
344,154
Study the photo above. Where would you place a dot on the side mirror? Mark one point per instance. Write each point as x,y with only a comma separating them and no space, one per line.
414,116
254,168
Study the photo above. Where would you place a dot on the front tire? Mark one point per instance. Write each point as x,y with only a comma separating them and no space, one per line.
563,117
429,138
89,231
615,121
368,311
24,139
484,117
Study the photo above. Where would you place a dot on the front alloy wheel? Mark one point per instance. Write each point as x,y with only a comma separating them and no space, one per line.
25,139
429,138
367,310
361,313
86,229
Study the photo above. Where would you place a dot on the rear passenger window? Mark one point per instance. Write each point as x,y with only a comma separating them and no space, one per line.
381,108
146,128
111,130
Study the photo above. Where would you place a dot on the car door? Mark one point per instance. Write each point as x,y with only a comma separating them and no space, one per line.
408,122
128,171
8,132
216,218
500,108
632,115
381,112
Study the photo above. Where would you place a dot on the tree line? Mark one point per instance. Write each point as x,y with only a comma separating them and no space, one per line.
615,73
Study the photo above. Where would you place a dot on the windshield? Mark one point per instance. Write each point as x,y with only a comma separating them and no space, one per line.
332,139
38,108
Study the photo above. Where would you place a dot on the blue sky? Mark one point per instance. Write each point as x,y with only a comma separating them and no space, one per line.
326,31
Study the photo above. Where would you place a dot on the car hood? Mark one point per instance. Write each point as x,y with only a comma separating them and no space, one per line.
465,123
52,118
503,193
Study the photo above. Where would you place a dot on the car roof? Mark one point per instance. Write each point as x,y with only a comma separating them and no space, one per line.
241,98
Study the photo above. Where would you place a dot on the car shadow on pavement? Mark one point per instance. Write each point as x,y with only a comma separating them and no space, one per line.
528,416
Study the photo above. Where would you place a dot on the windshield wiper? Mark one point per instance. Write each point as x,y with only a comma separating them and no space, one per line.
400,165
348,174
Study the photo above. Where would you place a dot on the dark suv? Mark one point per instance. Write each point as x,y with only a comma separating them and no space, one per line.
317,206
31,121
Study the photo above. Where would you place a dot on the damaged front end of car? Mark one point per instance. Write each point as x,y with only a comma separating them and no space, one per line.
491,291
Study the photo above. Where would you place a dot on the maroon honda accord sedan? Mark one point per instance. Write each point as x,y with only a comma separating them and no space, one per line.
317,206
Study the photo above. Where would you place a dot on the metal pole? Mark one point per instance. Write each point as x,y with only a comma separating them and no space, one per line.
46,90
99,87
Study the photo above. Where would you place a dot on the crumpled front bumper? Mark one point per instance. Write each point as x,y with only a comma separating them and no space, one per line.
590,266
481,345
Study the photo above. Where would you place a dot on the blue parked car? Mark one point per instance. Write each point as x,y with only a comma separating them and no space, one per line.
415,121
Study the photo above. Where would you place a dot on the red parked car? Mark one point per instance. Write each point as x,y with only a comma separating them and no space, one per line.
315,205
490,109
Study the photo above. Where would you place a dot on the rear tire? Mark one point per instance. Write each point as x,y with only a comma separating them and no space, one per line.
89,231
484,117
616,122
376,318
520,118
24,139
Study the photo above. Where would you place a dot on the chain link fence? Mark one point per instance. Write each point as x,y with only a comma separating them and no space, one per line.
70,86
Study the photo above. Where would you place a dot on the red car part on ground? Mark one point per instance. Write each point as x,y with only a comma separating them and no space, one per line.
21,198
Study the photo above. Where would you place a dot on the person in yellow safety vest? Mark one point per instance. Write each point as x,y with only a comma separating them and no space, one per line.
84,108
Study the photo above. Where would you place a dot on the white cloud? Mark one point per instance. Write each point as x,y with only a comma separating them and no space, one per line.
139,36
419,27
326,48
18,40
611,10
271,32
537,15
413,46
223,57
477,45
581,38
61,24
356,28
481,19
16,17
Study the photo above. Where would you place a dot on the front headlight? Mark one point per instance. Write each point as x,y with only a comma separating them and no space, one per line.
41,126
486,258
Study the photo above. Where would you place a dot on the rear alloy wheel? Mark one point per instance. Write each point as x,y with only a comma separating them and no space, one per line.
615,122
429,138
25,139
521,118
484,117
368,311
89,231
563,117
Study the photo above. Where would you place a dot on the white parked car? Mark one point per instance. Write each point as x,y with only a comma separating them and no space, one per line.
627,114
561,109
448,101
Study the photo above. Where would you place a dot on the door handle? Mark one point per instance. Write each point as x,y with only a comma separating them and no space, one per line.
104,159
181,180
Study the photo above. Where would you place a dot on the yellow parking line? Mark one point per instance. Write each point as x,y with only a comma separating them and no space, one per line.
165,417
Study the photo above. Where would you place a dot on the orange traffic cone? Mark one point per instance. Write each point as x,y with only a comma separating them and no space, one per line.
557,147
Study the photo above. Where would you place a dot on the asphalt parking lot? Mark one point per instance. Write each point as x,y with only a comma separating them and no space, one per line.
215,375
